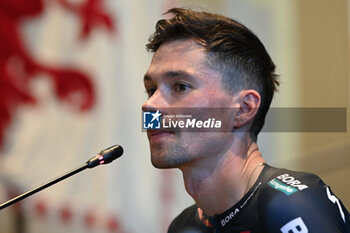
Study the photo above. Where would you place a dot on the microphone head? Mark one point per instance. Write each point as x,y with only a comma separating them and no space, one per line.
106,156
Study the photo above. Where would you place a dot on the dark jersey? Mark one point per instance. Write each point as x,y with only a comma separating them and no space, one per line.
280,201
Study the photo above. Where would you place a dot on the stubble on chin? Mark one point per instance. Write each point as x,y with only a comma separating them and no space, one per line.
172,156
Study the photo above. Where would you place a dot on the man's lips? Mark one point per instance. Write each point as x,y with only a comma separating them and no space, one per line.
157,133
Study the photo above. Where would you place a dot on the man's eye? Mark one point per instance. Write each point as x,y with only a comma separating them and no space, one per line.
150,91
179,87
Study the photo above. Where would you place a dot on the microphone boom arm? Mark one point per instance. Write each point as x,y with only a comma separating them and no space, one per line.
43,186
104,157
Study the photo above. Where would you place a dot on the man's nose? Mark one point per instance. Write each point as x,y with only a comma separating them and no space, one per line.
155,102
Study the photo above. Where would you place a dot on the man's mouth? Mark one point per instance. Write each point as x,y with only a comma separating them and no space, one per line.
157,134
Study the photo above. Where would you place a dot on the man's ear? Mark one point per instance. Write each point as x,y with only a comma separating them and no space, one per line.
249,102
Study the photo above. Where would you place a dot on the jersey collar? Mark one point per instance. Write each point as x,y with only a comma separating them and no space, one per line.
227,219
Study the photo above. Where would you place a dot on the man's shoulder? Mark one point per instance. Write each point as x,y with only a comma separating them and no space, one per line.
287,188
289,182
187,220
289,195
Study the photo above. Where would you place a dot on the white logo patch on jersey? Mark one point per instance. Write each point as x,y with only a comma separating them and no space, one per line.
297,225
335,200
291,181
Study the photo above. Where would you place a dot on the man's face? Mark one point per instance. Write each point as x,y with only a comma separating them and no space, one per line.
179,77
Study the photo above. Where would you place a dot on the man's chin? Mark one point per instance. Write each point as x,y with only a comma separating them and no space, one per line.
161,164
170,157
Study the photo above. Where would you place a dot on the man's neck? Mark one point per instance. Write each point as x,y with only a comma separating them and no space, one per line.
218,183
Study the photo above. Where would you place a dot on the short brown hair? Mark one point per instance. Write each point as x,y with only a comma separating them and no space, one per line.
232,49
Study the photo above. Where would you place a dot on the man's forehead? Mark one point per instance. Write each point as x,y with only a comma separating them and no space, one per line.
181,56
182,48
182,44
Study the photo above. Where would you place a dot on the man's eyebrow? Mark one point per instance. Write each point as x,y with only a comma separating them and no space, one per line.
178,73
170,74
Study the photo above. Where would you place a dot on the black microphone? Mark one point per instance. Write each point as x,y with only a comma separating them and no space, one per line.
104,157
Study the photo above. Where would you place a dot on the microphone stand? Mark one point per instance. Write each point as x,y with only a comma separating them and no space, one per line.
104,157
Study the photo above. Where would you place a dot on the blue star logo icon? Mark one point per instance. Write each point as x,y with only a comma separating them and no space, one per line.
151,120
